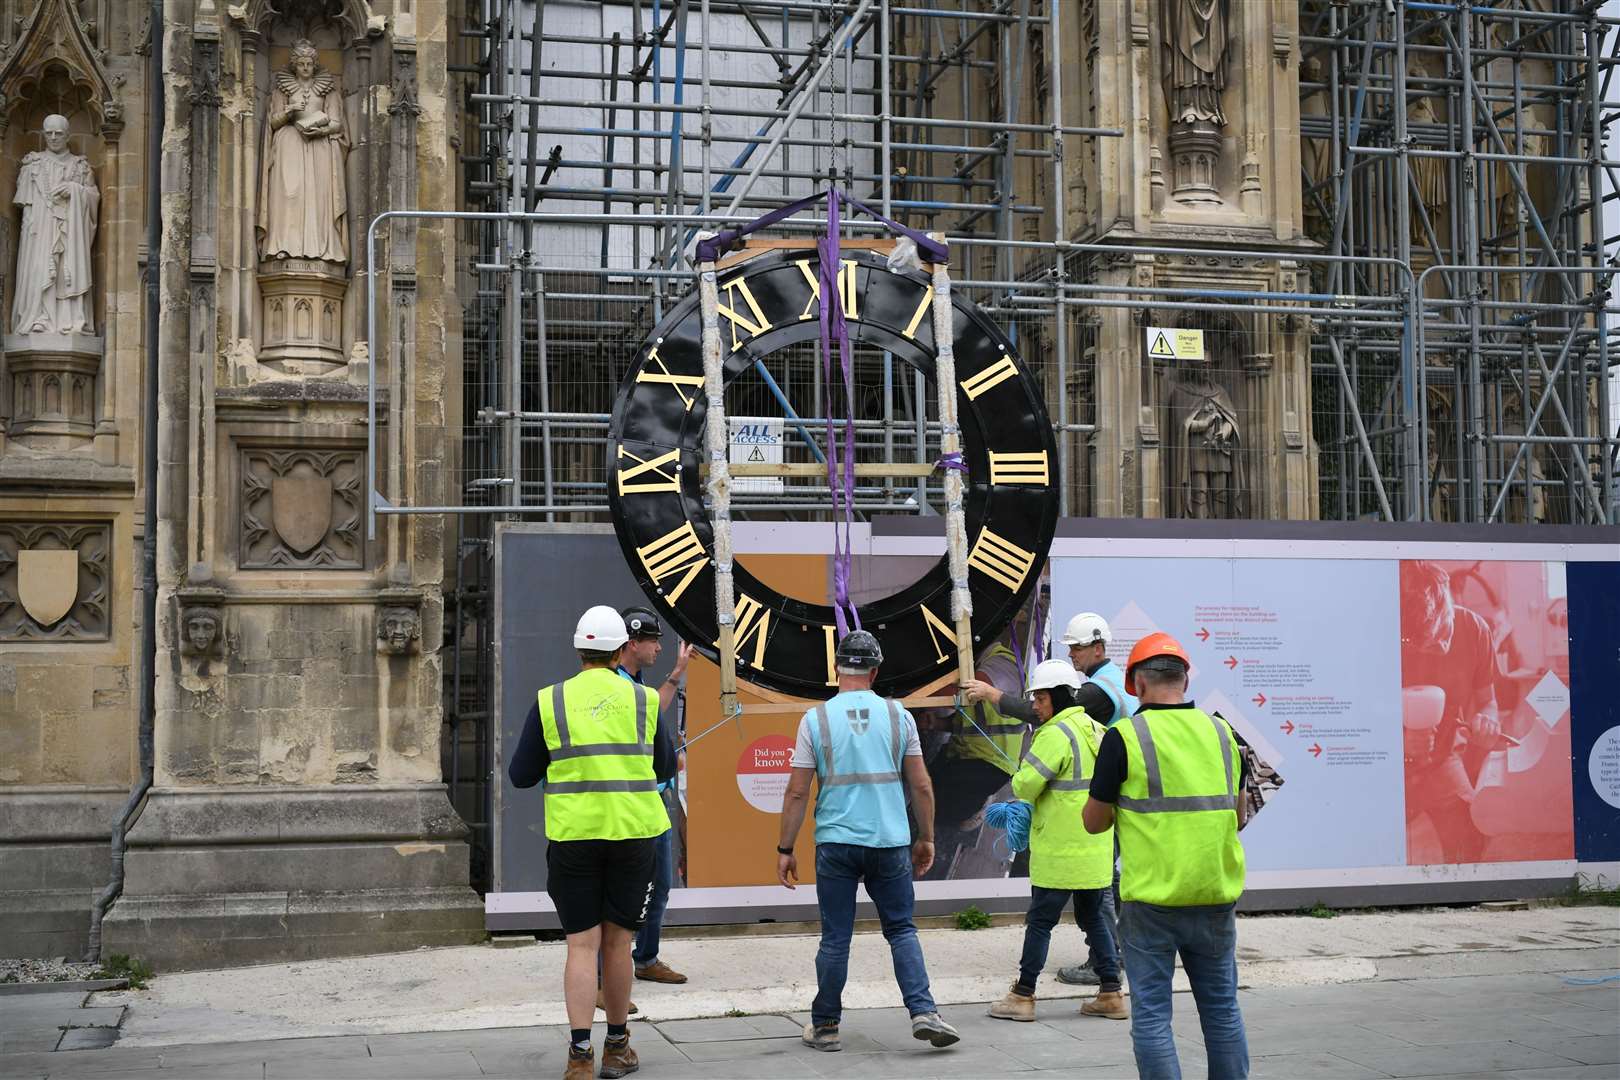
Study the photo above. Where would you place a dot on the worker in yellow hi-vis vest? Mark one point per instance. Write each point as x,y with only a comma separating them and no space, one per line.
1169,781
595,741
1065,861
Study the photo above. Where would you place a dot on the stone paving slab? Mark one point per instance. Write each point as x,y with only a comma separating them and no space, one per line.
450,1065
87,1038
1483,1057
729,1028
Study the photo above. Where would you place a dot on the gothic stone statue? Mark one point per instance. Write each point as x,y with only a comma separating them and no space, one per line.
1207,449
1195,45
303,200
59,204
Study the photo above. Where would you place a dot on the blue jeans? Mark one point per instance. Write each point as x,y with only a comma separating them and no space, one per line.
1206,938
1091,914
646,948
887,875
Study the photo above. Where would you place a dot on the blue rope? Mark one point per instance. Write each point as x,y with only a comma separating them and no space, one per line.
1591,982
1013,819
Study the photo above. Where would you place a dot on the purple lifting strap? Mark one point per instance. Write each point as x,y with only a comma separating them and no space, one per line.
841,484
725,240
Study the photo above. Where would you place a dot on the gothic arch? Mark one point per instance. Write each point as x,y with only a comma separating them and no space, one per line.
55,41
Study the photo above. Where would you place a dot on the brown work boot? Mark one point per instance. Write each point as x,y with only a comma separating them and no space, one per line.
618,1059
1110,1005
601,1002
581,1066
660,972
1014,1006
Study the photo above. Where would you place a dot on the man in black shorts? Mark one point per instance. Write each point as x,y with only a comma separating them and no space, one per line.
594,740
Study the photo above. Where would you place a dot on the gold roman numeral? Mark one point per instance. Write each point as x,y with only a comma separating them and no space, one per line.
629,485
997,373
1000,559
662,375
678,552
832,654
751,327
917,316
939,628
846,288
1019,468
752,620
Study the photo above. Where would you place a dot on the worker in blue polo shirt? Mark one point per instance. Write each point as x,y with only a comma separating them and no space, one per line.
640,653
864,754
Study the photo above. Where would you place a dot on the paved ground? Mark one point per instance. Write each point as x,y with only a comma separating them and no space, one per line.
484,987
1502,1026
1532,994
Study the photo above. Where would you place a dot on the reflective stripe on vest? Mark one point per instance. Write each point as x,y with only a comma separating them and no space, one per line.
600,785
1062,854
570,749
1177,810
1159,803
1111,679
832,777
1051,777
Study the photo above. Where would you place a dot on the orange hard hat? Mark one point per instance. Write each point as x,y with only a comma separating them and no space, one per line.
1149,647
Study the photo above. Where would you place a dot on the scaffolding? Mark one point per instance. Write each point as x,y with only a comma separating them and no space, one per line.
1454,180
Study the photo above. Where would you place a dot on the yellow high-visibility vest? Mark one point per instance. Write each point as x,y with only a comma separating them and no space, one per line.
1177,810
599,730
1055,778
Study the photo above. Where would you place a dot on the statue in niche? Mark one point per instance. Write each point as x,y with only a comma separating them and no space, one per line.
303,201
1195,45
60,205
1428,173
1207,447
1196,48
397,629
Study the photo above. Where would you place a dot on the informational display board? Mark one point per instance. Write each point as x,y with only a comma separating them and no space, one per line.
1439,704
1418,710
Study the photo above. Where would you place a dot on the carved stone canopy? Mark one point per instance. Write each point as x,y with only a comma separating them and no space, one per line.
55,38
353,17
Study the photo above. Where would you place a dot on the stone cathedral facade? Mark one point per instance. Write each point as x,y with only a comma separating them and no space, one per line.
296,806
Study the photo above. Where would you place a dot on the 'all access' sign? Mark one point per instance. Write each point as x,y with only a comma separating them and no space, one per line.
756,440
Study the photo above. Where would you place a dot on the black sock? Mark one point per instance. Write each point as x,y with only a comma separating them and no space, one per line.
579,1038
618,1031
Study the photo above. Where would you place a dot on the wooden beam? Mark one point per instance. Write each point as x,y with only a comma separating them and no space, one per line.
811,470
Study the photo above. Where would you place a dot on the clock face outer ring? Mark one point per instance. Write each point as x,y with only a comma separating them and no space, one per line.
656,493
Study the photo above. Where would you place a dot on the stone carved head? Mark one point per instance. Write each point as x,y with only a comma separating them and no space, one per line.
303,60
55,130
398,629
200,630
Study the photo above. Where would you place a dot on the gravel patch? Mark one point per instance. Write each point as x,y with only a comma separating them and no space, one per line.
44,971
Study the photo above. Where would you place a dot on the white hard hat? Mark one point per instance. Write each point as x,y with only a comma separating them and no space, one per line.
1052,673
1086,628
600,629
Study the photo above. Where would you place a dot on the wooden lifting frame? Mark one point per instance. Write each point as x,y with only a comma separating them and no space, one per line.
719,471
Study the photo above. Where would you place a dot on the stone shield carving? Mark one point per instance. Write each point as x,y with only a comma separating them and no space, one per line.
47,584
301,510
55,580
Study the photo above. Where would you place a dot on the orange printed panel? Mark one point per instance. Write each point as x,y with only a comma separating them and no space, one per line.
1486,712
736,774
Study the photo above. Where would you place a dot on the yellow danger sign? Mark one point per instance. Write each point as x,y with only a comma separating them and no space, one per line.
1170,343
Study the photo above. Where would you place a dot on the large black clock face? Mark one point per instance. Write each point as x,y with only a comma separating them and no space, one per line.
656,492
